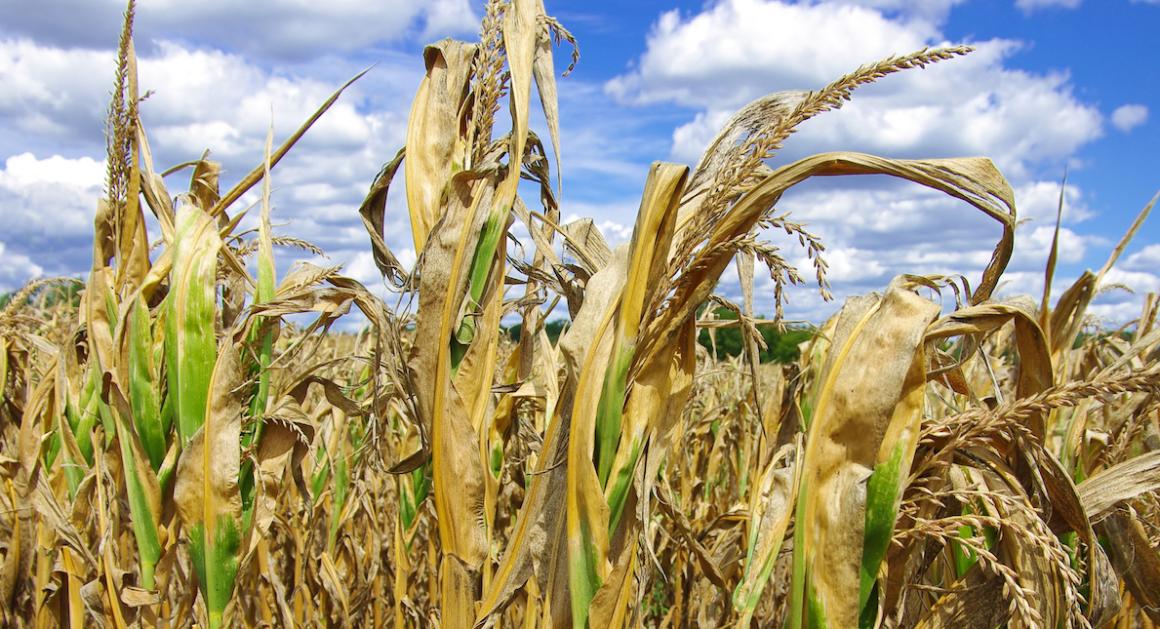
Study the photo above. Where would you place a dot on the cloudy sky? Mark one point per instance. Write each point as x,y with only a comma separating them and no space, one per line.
1054,84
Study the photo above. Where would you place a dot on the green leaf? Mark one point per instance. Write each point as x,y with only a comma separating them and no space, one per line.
190,323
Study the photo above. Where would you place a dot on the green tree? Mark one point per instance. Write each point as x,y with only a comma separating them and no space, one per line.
780,346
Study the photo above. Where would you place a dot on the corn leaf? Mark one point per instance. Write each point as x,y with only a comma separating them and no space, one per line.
206,490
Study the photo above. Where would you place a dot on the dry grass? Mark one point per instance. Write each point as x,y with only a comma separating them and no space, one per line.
174,452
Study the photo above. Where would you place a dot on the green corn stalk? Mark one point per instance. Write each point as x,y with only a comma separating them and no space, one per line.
143,445
206,486
321,473
770,508
495,460
648,255
83,431
882,496
144,501
168,412
73,469
80,423
206,490
191,347
215,559
342,466
896,321
520,41
414,489
611,409
341,489
143,386
964,556
481,263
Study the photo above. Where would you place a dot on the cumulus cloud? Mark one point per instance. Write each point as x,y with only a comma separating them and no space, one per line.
48,208
737,50
204,98
16,269
1038,202
53,93
1128,117
25,170
1140,281
1125,285
445,17
1146,259
285,30
852,265
200,97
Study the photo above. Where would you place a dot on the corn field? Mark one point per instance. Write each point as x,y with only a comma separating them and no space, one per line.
186,440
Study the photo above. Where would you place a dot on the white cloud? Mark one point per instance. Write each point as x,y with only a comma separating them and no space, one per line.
53,197
1121,296
1138,281
54,93
201,98
736,50
1111,314
287,30
1128,117
16,269
876,232
210,99
1146,259
850,265
449,17
1033,245
1038,202
48,208
362,265
1022,121
1028,6
26,170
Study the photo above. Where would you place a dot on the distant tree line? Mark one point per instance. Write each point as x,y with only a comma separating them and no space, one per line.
780,346
554,329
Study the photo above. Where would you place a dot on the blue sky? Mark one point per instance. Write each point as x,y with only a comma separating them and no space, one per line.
1053,84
